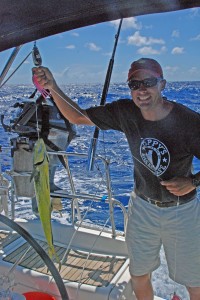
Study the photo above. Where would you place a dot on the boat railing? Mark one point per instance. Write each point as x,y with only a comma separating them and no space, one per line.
72,194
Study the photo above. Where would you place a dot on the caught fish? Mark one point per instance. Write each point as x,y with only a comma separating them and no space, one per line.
42,190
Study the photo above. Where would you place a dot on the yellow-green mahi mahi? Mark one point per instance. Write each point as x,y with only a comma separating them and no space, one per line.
42,191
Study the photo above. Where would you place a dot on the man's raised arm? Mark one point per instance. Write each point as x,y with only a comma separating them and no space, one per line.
67,107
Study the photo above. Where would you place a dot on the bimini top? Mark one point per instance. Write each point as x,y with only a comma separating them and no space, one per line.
23,21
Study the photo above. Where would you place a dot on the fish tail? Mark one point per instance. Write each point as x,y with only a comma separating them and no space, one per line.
53,254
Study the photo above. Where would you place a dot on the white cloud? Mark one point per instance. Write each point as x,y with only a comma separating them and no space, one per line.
138,40
92,47
175,33
194,70
171,69
107,54
70,47
127,23
150,50
177,50
81,73
196,38
76,34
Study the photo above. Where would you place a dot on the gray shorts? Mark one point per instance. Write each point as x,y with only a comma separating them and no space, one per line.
177,228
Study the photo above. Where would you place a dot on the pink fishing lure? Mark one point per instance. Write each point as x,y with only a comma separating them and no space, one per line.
44,92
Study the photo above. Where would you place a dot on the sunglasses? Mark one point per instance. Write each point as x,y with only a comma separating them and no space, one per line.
147,83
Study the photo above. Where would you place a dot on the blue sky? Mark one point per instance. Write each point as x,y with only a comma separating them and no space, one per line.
82,55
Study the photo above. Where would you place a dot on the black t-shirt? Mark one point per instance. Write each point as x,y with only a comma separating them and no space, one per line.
161,149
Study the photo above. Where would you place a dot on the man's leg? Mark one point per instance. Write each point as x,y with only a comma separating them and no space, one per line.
194,293
142,287
181,241
143,244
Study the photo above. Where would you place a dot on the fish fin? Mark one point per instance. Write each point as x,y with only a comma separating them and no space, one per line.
56,204
35,174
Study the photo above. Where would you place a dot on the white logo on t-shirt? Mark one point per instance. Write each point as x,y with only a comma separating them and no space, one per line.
155,155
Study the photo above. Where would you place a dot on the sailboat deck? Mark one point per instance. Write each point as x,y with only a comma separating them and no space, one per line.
97,270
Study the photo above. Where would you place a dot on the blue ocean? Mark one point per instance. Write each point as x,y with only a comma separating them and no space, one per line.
112,145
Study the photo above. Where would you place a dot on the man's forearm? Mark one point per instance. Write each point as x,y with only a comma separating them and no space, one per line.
69,108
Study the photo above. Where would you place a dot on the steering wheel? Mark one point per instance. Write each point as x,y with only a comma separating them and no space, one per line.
40,251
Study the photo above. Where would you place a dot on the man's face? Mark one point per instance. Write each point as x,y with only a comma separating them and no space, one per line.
147,97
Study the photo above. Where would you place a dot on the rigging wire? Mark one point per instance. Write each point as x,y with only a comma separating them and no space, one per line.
9,63
15,70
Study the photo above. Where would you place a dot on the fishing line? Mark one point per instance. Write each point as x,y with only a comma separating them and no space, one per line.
37,122
138,160
76,109
65,100
37,60
174,295
86,117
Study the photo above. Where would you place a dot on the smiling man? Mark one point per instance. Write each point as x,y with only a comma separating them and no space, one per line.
163,137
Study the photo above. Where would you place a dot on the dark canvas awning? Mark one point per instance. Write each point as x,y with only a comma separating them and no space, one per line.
23,21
